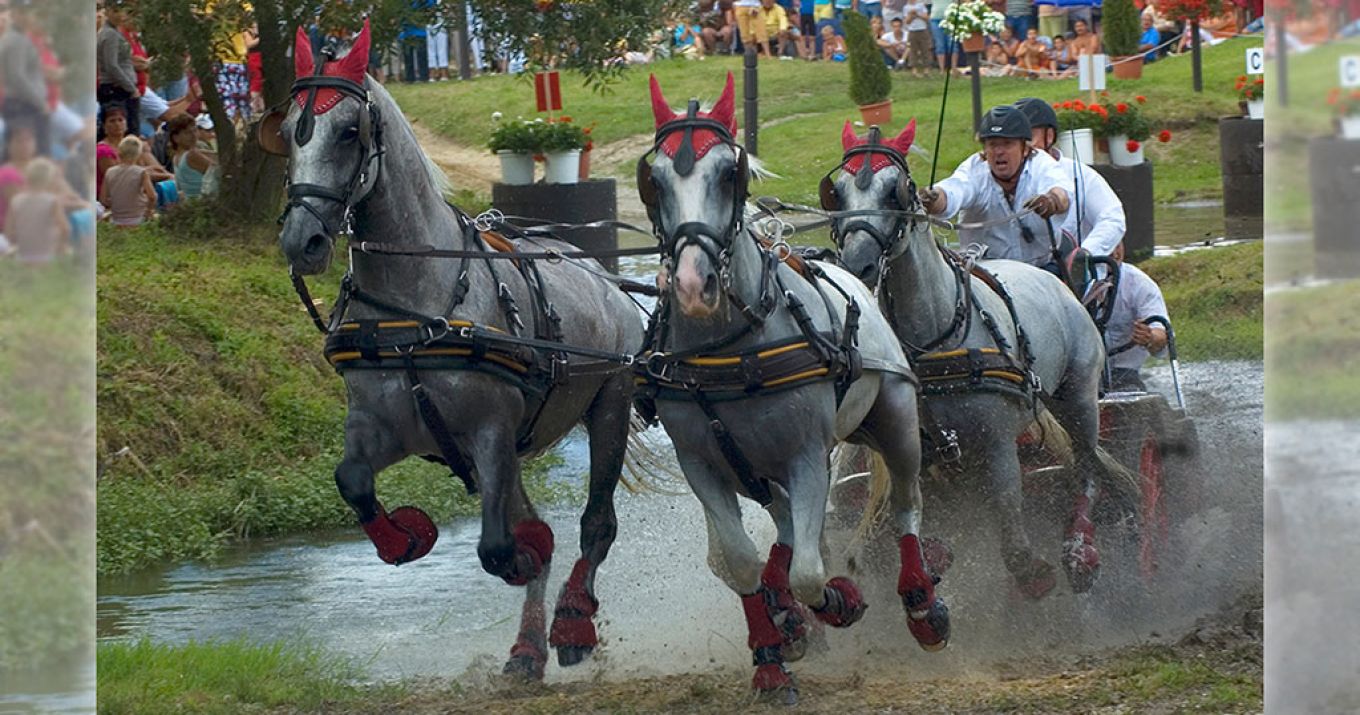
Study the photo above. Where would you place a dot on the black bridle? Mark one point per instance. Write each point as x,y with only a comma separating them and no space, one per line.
905,194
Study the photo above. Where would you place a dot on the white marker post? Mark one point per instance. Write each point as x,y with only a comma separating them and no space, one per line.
1091,74
1350,71
1256,60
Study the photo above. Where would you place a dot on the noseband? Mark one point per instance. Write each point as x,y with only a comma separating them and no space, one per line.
905,193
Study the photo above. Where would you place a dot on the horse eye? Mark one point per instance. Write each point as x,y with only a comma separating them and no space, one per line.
350,133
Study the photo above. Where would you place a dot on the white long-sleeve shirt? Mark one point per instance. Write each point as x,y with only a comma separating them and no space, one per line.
1138,298
973,195
1101,211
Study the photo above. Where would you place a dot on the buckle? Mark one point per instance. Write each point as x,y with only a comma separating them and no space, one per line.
949,451
428,330
658,367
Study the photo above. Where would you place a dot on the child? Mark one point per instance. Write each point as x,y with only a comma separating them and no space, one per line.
1033,54
128,193
35,224
1010,44
998,62
1061,57
833,45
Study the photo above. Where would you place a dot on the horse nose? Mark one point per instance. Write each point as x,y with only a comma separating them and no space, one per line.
316,247
868,272
710,293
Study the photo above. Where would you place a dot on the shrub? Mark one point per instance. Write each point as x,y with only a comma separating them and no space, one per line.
870,81
1121,28
518,136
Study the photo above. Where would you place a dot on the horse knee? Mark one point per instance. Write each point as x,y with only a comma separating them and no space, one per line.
354,480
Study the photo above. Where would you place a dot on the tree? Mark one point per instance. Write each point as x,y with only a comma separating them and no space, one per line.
1120,27
870,82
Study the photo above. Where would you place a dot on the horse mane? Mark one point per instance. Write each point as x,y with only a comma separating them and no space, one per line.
395,120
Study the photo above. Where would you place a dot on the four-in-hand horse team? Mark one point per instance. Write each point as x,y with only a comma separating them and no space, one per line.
480,345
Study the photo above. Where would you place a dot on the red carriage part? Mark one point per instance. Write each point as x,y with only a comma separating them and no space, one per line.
1155,522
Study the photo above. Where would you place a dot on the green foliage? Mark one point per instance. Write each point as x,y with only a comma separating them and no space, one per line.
560,135
870,81
1120,28
1215,302
517,136
225,677
1127,119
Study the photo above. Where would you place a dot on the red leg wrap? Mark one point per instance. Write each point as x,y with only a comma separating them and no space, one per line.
1081,559
571,620
844,604
395,544
533,550
914,584
788,616
420,525
760,629
771,676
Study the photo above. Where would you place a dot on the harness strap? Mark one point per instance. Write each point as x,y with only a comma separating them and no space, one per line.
434,422
300,286
428,251
758,488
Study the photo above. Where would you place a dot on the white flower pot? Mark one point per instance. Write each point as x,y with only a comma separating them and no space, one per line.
516,169
1120,155
1350,127
562,167
1077,144
1256,109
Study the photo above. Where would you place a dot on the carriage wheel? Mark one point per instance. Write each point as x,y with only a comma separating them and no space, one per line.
1154,522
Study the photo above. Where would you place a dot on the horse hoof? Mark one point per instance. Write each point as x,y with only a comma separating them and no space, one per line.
524,667
1082,564
420,525
843,605
773,680
569,655
1038,581
930,627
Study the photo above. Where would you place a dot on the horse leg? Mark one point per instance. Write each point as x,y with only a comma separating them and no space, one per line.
573,632
1033,576
837,602
1081,419
788,615
894,415
733,558
407,533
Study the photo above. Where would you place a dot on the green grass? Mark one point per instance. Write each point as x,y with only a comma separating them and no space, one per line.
1214,297
1313,353
808,103
218,417
223,677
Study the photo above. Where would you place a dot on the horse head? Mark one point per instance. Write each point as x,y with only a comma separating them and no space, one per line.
695,193
874,175
333,147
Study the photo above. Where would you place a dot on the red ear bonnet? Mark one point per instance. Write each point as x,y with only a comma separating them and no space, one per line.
902,143
351,67
724,112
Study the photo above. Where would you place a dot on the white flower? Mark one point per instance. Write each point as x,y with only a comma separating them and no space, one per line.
964,19
495,116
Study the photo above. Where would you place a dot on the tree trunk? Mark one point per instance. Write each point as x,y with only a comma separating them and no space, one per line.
252,179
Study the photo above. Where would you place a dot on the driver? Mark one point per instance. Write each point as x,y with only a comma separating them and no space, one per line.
1129,340
1006,177
1096,220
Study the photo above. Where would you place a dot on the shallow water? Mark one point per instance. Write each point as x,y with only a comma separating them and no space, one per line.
63,689
662,611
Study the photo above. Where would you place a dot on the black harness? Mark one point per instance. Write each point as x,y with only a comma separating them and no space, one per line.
711,373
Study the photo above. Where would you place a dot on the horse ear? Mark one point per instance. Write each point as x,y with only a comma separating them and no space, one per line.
902,142
660,109
725,109
303,62
848,138
355,64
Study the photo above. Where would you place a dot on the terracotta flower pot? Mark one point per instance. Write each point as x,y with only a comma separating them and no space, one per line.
973,43
585,165
1130,67
880,113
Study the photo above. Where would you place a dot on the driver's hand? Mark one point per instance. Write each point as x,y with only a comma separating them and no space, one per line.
933,199
1044,204
1154,339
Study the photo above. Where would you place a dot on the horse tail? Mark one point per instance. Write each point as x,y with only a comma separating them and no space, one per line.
647,467
880,491
1049,434
1119,478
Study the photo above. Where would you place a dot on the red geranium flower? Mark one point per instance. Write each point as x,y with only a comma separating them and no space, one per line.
1141,99
1165,136
1078,105
1132,146
1121,108
564,118
1241,78
1260,80
1334,96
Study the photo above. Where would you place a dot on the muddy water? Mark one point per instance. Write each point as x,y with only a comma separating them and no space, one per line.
1313,567
663,612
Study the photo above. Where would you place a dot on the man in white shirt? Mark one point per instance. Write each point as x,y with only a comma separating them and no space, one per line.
1129,339
1006,178
894,43
1095,225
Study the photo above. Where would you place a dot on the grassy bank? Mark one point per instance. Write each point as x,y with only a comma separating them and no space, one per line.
803,105
218,417
1313,351
1214,297
47,507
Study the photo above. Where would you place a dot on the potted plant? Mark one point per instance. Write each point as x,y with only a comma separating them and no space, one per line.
870,82
561,143
1346,104
1121,30
1126,128
1077,122
1251,94
969,21
515,142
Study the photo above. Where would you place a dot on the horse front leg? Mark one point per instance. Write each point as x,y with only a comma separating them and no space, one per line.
1080,558
837,602
407,533
573,630
1000,464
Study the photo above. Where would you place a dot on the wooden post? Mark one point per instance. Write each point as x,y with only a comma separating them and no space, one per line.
750,93
1195,56
464,42
977,89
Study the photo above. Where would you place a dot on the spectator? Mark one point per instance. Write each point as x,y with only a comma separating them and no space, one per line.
21,75
415,49
195,169
1052,20
1150,39
715,27
141,61
11,183
917,23
1010,43
688,40
751,26
21,145
36,224
1032,55
807,28
998,62
437,42
833,45
115,129
843,6
1166,29
1020,16
128,192
943,43
207,138
894,44
233,77
869,8
895,8
1061,57
778,28
1085,42
255,69
116,76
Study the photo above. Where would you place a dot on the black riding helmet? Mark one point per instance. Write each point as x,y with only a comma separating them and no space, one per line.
1038,112
1004,121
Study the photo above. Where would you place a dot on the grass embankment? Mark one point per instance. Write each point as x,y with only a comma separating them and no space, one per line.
804,104
1313,352
1214,297
1312,74
218,416
47,507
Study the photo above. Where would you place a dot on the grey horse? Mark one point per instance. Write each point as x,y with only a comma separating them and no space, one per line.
742,359
974,351
353,160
